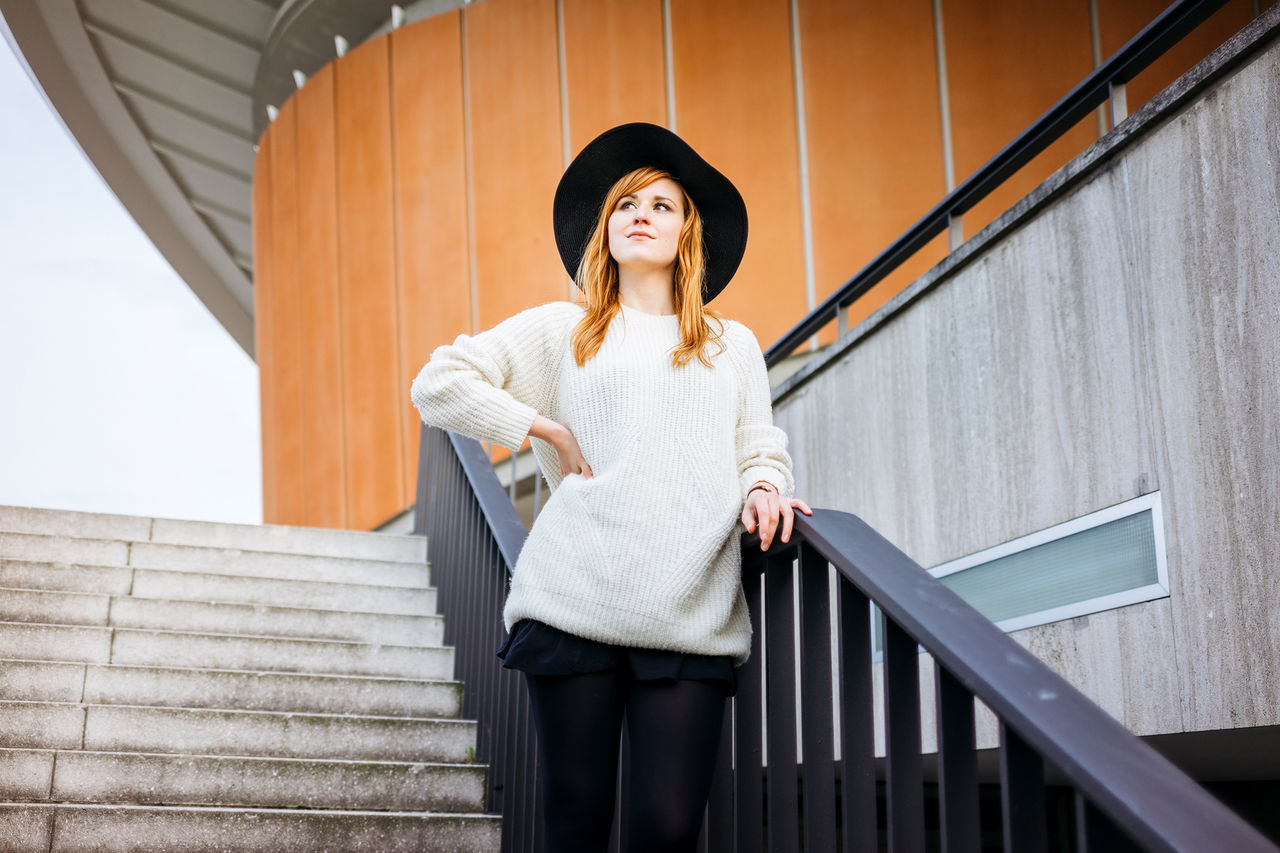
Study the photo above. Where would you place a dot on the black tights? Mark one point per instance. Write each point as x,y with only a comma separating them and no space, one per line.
674,732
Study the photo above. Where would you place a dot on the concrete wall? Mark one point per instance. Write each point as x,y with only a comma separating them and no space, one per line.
1116,333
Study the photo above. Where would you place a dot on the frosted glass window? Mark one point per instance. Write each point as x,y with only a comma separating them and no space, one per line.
1106,559
1103,560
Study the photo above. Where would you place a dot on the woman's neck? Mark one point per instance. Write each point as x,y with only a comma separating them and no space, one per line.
646,290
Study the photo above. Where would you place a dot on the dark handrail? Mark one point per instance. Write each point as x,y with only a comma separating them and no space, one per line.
1041,713
1157,37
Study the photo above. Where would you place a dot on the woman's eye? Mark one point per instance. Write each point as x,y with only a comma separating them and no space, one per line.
626,205
662,205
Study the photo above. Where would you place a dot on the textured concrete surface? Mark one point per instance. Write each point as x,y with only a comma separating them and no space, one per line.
293,540
41,681
285,593
1123,338
277,538
66,608
83,525
113,580
27,641
61,549
261,691
145,555
41,725
25,774
75,828
230,651
109,728
261,620
222,690
112,777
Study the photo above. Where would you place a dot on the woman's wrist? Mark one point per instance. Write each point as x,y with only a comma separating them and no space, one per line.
763,485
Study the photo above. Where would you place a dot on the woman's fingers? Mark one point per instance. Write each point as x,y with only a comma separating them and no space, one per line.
788,516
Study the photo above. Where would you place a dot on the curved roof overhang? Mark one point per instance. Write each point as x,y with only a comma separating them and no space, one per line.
168,98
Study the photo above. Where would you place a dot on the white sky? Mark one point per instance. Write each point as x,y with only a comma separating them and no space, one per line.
119,391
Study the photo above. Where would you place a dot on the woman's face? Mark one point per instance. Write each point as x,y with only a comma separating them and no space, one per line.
644,227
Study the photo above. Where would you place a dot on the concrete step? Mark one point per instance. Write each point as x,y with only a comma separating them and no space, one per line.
67,577
73,608
398,600
70,828
149,583
199,731
32,547
69,643
157,779
265,564
225,561
266,537
115,684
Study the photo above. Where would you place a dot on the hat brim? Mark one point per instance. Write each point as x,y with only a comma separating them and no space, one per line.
628,147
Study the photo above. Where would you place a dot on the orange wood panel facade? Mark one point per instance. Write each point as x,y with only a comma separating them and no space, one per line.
513,85
285,306
873,121
615,66
996,91
736,105
403,196
373,380
324,409
1121,20
430,203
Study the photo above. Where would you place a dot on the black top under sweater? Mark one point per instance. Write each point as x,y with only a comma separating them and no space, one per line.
539,649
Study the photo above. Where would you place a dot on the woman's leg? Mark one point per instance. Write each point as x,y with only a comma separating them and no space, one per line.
579,722
674,729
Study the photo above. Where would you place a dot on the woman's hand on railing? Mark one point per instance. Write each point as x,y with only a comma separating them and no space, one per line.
765,508
562,439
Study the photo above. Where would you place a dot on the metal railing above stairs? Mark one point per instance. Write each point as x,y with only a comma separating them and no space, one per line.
766,794
1106,85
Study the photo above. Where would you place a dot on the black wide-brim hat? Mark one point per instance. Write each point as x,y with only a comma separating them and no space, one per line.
628,147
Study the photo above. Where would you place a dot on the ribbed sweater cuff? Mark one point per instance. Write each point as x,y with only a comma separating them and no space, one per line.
510,426
756,473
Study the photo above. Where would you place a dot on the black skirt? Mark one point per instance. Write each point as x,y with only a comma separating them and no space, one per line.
539,649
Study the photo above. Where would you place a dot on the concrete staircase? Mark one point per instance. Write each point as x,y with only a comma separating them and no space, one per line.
181,686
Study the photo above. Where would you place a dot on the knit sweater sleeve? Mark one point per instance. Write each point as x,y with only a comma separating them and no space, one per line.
760,446
491,385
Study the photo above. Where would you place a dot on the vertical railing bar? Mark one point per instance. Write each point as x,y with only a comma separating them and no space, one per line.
815,707
857,723
747,722
718,823
957,765
784,819
1021,794
904,777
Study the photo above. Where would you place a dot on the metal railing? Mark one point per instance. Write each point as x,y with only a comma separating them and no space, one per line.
1107,82
767,795
771,797
473,539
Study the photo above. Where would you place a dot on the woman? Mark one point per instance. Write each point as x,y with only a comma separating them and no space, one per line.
650,417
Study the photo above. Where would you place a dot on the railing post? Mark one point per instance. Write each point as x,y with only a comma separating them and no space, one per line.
748,720
957,765
780,663
857,723
1021,794
904,777
815,704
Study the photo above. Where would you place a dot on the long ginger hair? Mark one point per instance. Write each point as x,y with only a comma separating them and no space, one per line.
598,278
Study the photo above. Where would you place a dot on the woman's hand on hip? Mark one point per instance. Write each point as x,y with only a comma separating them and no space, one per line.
562,439
765,508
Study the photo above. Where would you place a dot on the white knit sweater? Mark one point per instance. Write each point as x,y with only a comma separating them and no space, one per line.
644,553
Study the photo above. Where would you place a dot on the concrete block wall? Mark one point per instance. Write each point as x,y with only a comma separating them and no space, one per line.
1116,333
